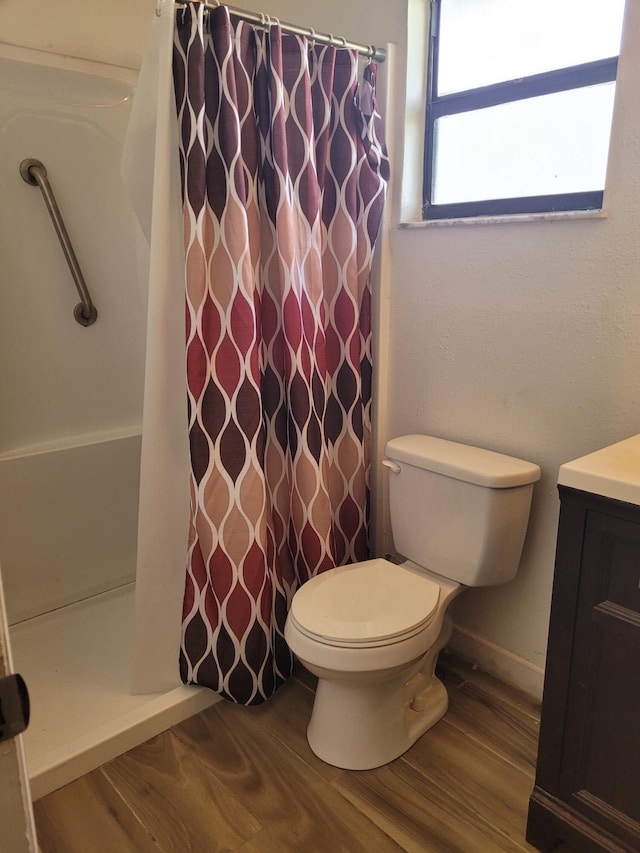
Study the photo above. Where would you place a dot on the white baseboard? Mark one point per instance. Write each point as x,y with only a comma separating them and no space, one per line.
495,660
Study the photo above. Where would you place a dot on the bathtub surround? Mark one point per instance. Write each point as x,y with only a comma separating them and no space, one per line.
83,500
62,384
70,419
70,424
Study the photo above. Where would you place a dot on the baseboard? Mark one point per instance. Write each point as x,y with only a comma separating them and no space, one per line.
498,661
553,824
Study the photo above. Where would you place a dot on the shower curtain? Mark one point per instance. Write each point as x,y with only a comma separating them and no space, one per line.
283,176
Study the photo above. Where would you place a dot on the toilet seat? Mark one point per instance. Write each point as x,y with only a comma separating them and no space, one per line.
365,605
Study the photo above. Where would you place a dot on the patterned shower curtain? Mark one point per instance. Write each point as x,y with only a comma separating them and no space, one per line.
284,179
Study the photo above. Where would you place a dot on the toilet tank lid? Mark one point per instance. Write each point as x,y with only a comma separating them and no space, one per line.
462,461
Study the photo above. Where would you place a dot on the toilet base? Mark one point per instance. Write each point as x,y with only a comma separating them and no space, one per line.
359,728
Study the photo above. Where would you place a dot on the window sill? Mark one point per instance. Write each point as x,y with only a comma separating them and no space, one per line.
507,219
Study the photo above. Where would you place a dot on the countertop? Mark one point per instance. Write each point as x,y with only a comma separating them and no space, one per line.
613,472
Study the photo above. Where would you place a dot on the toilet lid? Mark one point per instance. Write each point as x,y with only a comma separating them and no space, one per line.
365,603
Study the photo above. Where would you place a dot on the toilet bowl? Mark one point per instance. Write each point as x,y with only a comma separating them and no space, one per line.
372,631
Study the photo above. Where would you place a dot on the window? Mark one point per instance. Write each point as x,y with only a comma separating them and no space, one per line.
519,105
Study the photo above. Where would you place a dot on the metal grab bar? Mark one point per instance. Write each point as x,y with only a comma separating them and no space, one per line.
34,173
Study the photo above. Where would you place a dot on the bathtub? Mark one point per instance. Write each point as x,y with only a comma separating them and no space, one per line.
70,417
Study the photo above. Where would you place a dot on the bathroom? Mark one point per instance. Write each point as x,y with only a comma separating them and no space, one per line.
527,343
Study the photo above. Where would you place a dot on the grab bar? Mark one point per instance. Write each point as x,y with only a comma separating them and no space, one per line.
34,173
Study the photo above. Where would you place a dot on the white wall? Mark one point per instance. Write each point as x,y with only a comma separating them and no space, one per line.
523,338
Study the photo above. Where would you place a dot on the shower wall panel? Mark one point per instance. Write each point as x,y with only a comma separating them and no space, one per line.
70,396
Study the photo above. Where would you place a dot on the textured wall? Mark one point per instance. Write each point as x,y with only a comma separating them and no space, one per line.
525,338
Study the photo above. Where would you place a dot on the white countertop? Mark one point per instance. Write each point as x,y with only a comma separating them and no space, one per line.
613,472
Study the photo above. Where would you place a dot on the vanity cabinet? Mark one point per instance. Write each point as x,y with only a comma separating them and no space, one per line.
587,789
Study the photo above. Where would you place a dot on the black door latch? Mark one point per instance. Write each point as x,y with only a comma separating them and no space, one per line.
14,706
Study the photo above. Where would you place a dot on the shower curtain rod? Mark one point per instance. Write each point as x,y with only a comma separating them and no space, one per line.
369,50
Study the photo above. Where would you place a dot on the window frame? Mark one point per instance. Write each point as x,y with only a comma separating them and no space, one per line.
545,83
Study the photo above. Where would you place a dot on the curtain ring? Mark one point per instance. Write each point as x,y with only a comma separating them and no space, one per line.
311,38
341,39
267,21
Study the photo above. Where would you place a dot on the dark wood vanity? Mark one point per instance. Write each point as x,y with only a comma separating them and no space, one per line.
587,790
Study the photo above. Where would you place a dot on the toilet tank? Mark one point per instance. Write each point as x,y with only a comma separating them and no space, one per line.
459,511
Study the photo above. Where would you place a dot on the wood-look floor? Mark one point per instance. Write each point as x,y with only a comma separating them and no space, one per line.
244,779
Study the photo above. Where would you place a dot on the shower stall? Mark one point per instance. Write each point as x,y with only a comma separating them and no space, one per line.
70,417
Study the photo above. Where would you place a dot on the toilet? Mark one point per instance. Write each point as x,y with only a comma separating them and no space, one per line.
372,631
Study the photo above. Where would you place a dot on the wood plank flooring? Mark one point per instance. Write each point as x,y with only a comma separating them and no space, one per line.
244,779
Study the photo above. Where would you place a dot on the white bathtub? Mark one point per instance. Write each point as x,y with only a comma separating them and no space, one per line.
70,415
